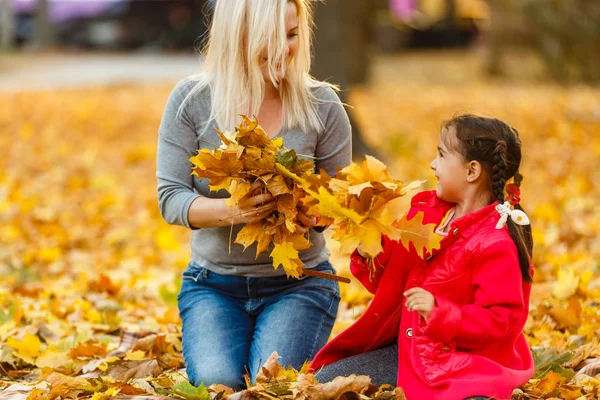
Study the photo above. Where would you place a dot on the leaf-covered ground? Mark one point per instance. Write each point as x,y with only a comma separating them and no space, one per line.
86,261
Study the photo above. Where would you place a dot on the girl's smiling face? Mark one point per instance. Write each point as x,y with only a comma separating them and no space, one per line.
291,28
450,168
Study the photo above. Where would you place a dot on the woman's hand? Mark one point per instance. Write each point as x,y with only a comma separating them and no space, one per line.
304,222
419,300
254,206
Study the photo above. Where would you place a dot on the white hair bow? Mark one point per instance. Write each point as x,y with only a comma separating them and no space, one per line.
505,210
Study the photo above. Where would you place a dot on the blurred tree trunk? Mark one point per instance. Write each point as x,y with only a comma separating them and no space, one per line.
43,30
509,28
450,11
341,49
451,35
7,25
496,45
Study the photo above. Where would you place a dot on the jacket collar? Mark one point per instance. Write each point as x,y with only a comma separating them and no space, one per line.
435,209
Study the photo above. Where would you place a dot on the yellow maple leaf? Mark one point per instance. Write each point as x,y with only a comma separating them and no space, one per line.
277,143
568,282
329,207
299,241
237,189
415,232
358,188
221,184
227,137
347,234
251,233
53,359
217,166
27,349
286,255
286,204
371,169
370,237
111,392
394,210
135,355
549,383
258,160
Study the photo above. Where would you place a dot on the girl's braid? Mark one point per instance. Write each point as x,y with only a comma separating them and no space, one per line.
518,178
499,171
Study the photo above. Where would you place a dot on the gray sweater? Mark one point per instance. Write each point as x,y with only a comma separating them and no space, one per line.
180,138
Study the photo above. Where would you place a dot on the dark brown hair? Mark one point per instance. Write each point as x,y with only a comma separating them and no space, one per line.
497,147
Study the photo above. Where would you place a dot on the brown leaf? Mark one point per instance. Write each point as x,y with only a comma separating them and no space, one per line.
126,389
218,388
583,353
67,386
269,369
251,134
277,185
337,387
569,392
396,394
258,161
132,369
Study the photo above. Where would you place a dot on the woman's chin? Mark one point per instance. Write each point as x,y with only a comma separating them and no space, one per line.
278,79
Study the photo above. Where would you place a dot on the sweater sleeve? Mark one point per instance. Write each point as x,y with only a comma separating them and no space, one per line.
498,302
177,142
334,147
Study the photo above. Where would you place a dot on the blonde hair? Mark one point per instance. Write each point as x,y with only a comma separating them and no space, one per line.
241,30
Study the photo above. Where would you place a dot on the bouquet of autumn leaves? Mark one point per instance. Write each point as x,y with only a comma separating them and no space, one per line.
362,201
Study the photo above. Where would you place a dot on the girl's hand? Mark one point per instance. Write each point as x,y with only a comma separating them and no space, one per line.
304,221
254,206
419,300
360,251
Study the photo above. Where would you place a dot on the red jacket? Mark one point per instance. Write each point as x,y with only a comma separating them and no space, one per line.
472,344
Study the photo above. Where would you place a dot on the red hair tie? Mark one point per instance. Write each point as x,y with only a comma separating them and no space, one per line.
513,194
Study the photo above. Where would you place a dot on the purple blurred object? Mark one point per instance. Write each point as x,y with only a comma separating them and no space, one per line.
64,10
403,9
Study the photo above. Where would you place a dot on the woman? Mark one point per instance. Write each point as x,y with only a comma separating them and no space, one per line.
236,310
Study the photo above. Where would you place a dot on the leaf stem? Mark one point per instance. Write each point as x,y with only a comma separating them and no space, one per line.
325,275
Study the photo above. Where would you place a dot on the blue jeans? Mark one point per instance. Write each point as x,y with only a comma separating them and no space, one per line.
232,324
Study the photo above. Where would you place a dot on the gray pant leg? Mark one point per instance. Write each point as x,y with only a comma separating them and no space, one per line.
381,365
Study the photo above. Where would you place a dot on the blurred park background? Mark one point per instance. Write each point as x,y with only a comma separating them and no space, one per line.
85,257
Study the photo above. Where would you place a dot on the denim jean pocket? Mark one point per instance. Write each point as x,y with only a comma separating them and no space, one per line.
195,272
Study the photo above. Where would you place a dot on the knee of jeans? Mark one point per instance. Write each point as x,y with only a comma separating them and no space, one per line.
217,374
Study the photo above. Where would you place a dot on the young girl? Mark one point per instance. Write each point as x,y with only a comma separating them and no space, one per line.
450,326
237,309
